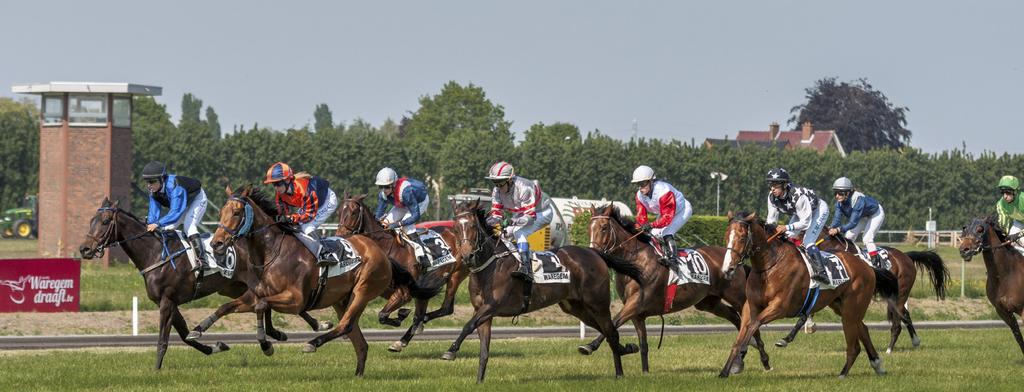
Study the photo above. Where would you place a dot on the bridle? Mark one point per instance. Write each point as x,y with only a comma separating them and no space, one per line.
245,223
611,234
463,238
104,240
749,247
356,229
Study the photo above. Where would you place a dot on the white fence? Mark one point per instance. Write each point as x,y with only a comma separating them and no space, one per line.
914,237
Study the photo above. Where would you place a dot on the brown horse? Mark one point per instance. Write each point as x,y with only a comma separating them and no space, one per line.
903,266
356,218
611,233
289,280
1005,268
170,282
777,287
495,293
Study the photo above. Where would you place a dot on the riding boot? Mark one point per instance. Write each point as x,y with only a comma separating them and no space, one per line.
424,259
671,252
524,272
817,265
876,261
197,247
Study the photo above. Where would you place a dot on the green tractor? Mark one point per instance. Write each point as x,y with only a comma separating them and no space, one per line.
20,222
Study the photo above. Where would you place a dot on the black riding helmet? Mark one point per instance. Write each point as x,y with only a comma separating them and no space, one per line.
777,175
154,170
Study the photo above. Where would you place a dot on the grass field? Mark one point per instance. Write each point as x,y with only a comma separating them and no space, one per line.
955,360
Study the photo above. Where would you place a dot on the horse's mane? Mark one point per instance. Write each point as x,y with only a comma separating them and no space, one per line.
480,213
993,222
628,224
129,213
768,227
260,199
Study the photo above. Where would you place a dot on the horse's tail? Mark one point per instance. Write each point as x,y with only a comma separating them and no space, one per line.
401,277
886,284
622,266
936,270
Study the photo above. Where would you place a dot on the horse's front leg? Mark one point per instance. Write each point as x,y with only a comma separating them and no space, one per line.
167,308
485,312
752,320
241,304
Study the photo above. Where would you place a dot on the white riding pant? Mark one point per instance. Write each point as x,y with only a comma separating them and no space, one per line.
818,218
677,222
1015,228
869,226
520,233
192,215
398,214
311,239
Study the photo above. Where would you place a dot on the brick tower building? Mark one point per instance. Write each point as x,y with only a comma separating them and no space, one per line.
85,154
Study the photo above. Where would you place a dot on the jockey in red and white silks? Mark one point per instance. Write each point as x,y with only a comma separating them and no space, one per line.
664,200
530,208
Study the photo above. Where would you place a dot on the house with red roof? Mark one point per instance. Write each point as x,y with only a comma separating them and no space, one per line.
806,137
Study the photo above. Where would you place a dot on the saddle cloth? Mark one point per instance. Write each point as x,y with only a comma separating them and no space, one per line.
689,267
437,251
209,264
547,268
834,270
348,258
882,254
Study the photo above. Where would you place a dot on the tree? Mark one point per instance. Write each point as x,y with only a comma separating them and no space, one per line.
19,153
322,118
863,117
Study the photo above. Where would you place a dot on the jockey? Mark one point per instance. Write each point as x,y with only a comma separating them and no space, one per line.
184,199
863,214
664,200
1011,210
312,199
408,200
531,210
807,211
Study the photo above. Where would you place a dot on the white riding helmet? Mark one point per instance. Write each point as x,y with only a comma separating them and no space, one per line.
386,176
842,184
643,173
501,171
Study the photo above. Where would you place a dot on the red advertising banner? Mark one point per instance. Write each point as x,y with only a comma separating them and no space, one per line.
39,285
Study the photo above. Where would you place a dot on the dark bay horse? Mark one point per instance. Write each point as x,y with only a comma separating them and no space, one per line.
495,293
169,282
614,234
904,266
1004,266
290,274
777,287
356,218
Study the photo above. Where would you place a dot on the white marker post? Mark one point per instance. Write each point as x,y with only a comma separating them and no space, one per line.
135,316
583,330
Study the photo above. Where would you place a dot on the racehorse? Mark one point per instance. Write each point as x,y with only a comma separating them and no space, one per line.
1004,266
495,293
356,218
169,281
903,266
778,286
289,279
611,233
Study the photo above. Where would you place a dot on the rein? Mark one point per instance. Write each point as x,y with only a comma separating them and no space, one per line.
109,233
245,225
357,229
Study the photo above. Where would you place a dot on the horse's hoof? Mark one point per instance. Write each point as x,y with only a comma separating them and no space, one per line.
877,365
309,348
630,349
736,368
584,349
193,336
269,351
419,329
390,322
221,347
810,328
888,350
448,356
325,325
723,374
282,337
842,376
781,343
916,341
396,347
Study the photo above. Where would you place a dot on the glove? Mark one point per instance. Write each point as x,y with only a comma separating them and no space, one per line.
283,219
646,227
384,224
493,220
497,230
521,221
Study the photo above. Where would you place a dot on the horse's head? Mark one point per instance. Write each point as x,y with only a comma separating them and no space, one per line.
102,230
974,237
469,231
353,217
739,240
237,218
607,229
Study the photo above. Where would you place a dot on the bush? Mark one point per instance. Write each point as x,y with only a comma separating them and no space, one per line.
703,230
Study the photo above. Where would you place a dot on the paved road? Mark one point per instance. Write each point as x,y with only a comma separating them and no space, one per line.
79,341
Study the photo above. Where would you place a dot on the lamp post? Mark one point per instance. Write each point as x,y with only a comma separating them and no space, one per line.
718,188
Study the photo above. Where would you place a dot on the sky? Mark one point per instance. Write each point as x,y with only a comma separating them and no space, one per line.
682,70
